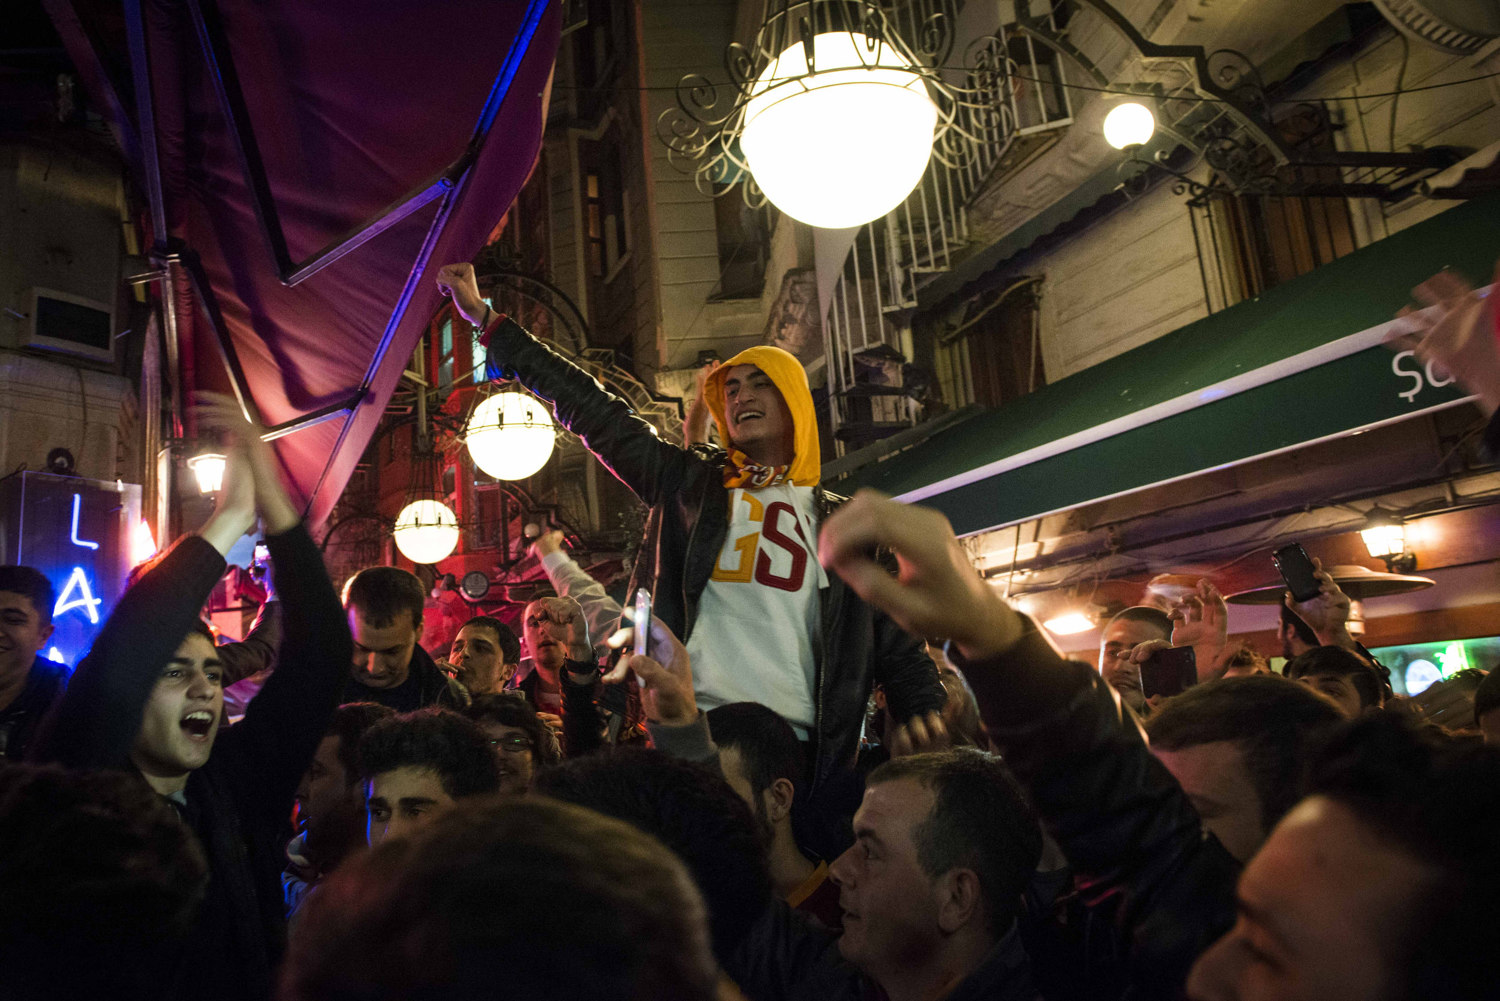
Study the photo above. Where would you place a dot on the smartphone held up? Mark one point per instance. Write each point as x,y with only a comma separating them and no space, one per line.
1297,570
1169,671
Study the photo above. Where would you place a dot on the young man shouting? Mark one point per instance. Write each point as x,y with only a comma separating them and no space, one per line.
729,552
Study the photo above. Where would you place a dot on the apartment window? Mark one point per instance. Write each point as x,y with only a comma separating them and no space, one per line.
445,356
744,236
594,51
484,529
606,224
476,350
1264,241
994,356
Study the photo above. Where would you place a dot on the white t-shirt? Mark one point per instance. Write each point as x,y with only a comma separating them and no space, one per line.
756,634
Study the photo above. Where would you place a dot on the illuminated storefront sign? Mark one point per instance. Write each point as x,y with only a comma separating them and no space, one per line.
1416,667
80,534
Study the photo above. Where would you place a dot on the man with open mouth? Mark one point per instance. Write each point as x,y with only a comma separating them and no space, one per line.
148,700
729,549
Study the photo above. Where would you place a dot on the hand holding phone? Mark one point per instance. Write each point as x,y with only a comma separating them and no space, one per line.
1169,671
642,610
1297,570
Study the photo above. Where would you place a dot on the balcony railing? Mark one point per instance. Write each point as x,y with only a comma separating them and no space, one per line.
868,327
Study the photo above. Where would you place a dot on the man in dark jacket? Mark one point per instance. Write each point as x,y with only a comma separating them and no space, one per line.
147,700
29,682
929,892
384,605
727,554
1123,822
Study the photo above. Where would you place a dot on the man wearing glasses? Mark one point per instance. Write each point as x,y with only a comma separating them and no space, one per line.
522,743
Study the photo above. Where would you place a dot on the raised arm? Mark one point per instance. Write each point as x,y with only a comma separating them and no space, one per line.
1118,815
600,611
626,443
257,651
284,723
905,671
95,724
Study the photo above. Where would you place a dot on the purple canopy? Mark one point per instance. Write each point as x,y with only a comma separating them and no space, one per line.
309,168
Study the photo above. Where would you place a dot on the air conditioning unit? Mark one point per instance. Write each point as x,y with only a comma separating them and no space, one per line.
70,324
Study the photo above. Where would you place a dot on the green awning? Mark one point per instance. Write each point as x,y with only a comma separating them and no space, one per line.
1299,364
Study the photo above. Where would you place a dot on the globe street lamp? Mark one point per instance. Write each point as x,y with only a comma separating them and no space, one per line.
426,531
510,435
846,143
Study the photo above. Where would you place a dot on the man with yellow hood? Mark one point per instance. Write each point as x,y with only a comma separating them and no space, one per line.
730,549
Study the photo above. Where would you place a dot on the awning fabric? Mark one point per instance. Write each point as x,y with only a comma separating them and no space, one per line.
1299,364
353,108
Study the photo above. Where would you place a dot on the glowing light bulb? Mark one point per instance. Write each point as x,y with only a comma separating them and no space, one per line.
510,436
1129,124
208,469
1383,534
845,144
1067,625
426,531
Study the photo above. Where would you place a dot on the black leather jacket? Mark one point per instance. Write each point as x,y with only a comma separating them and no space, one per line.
1119,816
686,528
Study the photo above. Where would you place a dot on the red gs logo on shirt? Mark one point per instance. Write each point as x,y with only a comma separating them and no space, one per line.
780,532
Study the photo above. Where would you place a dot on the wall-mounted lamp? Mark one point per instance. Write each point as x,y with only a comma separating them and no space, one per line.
1384,535
208,469
1129,124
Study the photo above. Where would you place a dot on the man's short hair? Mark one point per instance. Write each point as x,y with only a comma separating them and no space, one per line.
1276,724
33,584
521,898
505,636
436,740
349,724
1243,655
1336,661
101,880
693,811
980,820
1487,695
767,744
200,628
1299,626
1436,797
381,594
512,709
1148,615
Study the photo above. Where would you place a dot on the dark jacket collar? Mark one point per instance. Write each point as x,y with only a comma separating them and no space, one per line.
1005,975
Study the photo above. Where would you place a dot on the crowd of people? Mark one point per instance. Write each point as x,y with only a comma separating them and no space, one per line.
843,768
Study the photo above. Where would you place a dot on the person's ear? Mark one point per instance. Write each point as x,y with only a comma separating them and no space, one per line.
46,634
507,671
778,798
959,899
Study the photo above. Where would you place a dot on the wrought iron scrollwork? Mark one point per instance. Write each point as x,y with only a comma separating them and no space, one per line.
701,130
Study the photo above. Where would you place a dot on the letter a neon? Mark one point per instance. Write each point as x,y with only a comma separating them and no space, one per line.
78,581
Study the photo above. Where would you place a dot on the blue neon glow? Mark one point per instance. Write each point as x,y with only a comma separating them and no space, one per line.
78,581
85,543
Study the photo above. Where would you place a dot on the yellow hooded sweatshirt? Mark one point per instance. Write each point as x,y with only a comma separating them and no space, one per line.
759,617
790,378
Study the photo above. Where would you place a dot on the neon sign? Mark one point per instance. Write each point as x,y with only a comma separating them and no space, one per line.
77,503
77,593
80,534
